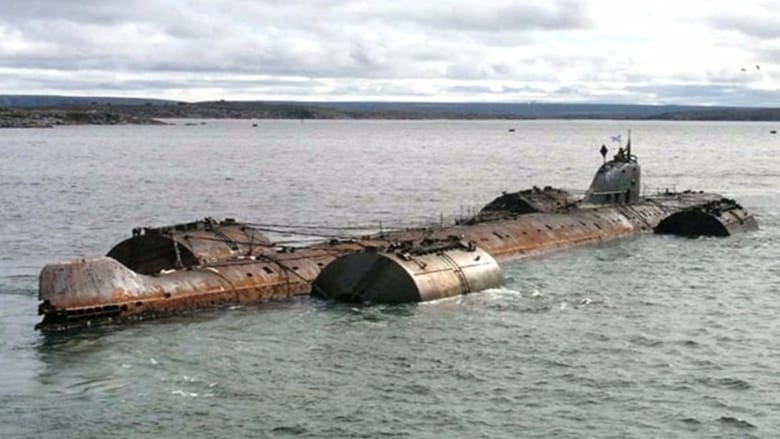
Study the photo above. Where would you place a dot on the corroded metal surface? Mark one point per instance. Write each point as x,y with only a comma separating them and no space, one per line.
722,217
99,291
532,200
207,241
206,264
411,272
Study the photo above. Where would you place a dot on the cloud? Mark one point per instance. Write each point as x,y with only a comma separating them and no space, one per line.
494,17
282,38
764,27
595,50
707,94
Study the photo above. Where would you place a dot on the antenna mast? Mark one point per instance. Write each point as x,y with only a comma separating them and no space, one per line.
628,146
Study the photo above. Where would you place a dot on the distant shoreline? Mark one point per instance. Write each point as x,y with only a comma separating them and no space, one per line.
150,113
49,118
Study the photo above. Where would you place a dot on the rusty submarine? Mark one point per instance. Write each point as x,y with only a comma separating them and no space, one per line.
164,271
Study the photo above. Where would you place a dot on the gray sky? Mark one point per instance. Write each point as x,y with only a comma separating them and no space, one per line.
722,52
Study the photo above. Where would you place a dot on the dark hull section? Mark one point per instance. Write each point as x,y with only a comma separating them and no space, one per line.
185,269
409,273
718,218
152,249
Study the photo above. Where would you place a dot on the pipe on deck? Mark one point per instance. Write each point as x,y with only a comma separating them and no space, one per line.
103,291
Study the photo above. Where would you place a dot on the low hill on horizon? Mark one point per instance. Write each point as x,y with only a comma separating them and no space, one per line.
21,101
160,108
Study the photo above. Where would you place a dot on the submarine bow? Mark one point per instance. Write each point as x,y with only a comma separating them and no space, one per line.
205,264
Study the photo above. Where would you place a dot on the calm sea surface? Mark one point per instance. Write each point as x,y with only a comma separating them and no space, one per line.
649,337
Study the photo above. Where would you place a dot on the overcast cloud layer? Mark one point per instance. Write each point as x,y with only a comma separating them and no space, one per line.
718,52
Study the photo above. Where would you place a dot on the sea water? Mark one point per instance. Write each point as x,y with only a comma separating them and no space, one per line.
651,336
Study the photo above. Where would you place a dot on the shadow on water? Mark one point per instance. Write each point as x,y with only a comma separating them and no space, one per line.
100,336
19,285
654,336
360,311
76,347
105,360
57,352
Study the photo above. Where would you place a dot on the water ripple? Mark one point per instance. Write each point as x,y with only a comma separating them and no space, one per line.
653,336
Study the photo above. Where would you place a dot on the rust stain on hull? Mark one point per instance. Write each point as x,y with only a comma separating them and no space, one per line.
209,264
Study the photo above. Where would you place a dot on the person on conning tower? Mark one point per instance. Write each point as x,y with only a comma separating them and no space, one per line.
620,156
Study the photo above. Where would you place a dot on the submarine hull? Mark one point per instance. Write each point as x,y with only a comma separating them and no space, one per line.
92,292
404,275
208,263
717,218
98,291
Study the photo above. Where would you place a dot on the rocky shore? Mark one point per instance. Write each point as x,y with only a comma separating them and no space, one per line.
102,112
48,118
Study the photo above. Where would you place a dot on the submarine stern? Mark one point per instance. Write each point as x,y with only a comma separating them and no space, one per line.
207,264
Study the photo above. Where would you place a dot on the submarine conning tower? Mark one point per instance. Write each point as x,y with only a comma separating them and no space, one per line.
168,270
617,181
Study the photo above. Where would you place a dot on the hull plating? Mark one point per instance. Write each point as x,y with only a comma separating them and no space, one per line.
238,265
